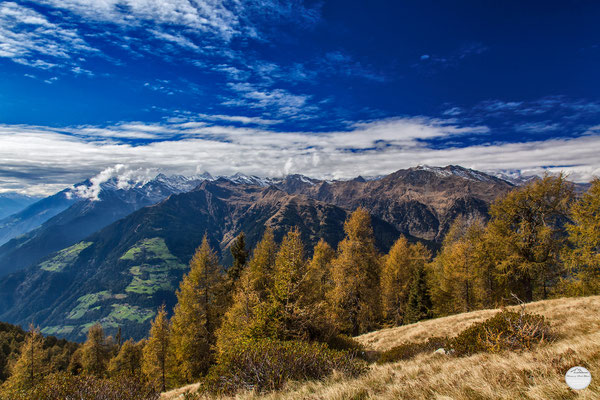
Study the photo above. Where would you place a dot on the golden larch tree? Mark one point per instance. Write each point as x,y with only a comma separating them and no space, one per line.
96,352
157,355
527,231
583,259
248,316
355,298
197,314
128,361
296,310
31,366
399,268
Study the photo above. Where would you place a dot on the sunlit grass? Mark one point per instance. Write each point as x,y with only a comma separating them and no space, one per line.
531,375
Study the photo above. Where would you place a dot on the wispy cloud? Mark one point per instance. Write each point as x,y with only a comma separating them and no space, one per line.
43,159
453,111
576,108
190,24
280,102
430,63
553,116
28,37
240,118
537,127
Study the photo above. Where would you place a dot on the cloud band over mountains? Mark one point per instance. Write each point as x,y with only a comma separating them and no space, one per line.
42,160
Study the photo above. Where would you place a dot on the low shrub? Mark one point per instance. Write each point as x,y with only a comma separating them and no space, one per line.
265,365
345,342
64,386
507,330
409,350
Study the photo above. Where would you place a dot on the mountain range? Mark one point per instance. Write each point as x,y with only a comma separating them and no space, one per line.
11,203
116,258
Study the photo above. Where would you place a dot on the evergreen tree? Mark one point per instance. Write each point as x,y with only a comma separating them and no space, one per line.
583,259
95,352
527,231
119,338
319,269
128,360
419,304
297,312
157,354
261,265
355,298
75,365
197,314
249,313
457,278
240,258
31,366
399,268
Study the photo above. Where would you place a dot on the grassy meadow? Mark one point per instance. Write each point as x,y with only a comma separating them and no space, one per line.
531,375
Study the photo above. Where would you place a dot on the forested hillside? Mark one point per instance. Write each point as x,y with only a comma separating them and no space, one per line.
283,313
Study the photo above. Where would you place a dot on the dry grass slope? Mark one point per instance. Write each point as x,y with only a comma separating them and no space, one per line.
526,375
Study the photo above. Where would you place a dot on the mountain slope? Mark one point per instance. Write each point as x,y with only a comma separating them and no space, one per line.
75,218
120,275
11,203
529,375
34,215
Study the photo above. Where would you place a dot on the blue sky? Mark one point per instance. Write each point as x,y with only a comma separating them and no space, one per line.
330,89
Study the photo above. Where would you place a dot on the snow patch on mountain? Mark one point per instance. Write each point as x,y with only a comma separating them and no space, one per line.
456,170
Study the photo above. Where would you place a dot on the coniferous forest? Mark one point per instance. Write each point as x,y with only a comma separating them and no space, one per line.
276,315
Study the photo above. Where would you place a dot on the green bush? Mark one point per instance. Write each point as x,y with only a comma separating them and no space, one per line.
507,330
264,365
409,350
64,386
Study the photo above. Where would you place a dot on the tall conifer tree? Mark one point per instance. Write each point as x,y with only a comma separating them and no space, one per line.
128,361
419,304
30,368
240,258
526,228
399,269
157,355
96,352
319,269
584,236
456,273
297,311
248,315
197,314
355,296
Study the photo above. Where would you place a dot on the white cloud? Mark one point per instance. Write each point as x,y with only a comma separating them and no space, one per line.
280,101
42,160
124,176
222,20
28,37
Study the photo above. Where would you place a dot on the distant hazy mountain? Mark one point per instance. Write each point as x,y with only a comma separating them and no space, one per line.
34,215
66,217
11,203
120,274
516,177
